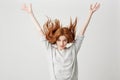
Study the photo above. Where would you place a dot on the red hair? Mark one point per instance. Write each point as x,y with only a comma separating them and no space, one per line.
53,30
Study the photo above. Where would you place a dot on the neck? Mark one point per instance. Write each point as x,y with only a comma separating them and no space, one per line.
61,48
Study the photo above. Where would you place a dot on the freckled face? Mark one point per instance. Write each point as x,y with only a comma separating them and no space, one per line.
61,42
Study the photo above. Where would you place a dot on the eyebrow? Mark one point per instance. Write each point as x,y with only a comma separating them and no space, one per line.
59,39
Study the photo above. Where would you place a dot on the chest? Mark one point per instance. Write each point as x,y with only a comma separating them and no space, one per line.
63,57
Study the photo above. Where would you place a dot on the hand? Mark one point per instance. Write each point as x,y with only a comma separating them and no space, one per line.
28,9
94,7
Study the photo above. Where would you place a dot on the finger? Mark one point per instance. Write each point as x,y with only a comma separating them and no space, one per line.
91,6
98,6
23,6
95,4
30,5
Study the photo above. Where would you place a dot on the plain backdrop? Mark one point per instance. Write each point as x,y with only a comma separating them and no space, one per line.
22,56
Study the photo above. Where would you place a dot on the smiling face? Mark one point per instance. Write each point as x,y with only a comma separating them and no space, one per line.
61,42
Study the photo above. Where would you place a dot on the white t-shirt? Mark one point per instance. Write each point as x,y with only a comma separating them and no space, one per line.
63,63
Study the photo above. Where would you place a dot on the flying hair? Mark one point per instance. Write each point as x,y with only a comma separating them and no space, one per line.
53,30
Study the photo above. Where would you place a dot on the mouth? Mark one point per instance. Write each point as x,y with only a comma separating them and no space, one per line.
61,46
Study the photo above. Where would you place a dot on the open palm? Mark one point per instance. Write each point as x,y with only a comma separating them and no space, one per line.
94,7
26,8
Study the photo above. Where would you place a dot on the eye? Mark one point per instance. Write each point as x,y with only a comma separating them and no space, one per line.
58,40
65,40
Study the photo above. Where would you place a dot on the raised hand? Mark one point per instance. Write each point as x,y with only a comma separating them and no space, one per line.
94,7
28,8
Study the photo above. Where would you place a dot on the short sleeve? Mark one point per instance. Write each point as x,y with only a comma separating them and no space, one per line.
45,43
78,42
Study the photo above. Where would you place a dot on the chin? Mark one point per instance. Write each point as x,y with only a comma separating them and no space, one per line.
61,47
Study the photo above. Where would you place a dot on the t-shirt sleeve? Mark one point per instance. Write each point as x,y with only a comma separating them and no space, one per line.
45,43
78,41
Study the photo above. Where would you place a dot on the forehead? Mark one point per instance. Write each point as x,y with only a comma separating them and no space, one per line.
62,37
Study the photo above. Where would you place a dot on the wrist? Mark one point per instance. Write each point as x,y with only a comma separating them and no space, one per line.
90,13
31,13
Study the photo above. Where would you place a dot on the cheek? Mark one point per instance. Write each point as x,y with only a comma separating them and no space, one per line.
57,43
65,43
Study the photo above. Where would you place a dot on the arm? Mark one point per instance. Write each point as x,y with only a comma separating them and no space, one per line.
29,10
93,8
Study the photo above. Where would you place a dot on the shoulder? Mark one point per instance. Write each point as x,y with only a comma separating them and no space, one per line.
79,37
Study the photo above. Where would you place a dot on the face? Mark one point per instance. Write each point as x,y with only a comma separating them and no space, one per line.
61,42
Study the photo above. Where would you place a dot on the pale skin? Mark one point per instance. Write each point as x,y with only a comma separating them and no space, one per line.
62,40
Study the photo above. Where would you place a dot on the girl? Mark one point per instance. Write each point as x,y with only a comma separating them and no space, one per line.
62,59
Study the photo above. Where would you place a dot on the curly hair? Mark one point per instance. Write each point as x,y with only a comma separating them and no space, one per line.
53,30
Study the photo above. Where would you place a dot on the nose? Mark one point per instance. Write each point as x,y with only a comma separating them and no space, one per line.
62,43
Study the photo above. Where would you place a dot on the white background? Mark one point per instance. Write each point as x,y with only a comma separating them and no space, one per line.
22,57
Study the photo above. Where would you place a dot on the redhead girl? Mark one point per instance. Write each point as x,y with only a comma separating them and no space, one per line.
62,59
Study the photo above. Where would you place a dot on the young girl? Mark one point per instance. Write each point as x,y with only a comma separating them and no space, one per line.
62,59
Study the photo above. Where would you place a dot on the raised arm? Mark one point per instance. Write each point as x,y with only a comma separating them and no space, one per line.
29,10
93,8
